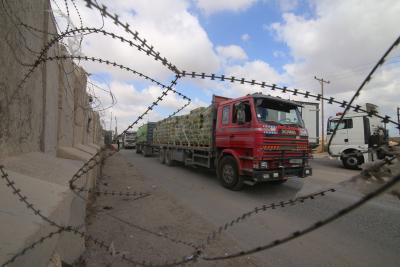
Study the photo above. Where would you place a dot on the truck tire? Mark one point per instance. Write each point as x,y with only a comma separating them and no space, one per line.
168,158
352,161
161,156
228,174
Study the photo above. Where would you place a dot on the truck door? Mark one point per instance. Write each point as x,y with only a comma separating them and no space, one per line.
222,134
341,138
355,131
240,129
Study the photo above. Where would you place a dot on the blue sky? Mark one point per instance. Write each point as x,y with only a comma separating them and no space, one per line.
289,41
226,28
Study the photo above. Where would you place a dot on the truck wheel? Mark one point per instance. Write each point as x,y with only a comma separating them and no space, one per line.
168,158
228,174
161,156
352,162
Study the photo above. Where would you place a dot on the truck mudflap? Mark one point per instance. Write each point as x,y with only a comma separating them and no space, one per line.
279,174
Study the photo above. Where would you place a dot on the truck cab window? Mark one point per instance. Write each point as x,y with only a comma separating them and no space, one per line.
225,115
241,111
344,124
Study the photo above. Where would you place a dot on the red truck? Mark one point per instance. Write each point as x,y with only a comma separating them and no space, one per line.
255,138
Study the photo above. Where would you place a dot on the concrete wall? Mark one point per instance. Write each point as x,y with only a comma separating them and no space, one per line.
47,132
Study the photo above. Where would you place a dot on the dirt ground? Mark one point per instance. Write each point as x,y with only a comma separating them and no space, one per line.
137,227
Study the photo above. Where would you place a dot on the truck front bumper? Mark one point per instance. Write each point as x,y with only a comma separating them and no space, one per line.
281,173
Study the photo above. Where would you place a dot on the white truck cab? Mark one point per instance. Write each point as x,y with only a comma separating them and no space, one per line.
130,140
352,140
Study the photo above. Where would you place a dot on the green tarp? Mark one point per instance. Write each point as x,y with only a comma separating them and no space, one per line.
141,134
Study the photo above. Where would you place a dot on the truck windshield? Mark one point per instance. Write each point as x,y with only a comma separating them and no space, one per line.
270,111
344,124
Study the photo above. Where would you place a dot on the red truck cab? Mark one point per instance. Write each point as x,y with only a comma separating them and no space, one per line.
259,138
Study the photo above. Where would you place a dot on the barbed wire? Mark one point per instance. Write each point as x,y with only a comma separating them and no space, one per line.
163,235
358,91
276,205
97,104
24,199
86,30
142,45
32,246
94,161
284,89
150,49
297,234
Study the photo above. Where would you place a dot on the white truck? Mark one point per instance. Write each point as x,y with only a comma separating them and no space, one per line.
130,140
356,135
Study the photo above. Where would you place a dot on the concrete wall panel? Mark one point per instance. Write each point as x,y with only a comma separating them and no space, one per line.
47,131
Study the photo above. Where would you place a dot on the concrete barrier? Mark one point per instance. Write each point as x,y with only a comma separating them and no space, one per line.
47,132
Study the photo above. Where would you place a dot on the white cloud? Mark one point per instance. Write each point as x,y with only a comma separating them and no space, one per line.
252,70
336,41
231,52
245,37
257,69
132,102
343,35
178,36
214,6
173,31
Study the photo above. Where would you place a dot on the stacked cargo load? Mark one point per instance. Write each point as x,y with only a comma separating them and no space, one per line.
141,134
193,129
144,134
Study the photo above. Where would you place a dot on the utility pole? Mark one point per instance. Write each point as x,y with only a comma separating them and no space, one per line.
322,81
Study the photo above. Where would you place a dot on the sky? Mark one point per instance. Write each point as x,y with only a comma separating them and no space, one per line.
286,42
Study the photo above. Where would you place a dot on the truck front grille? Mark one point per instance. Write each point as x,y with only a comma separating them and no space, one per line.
284,148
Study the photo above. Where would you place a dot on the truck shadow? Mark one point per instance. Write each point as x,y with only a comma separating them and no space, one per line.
262,191
276,192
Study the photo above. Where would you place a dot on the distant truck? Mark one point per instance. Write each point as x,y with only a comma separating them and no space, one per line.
129,140
144,140
355,136
247,140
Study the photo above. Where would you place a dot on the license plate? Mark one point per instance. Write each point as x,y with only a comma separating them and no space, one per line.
296,161
288,132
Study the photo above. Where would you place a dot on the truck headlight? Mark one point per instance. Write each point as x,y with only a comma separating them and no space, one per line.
270,129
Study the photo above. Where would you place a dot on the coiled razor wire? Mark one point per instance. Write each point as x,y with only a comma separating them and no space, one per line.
98,157
142,45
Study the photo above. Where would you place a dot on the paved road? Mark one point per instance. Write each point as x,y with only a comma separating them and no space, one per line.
370,236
